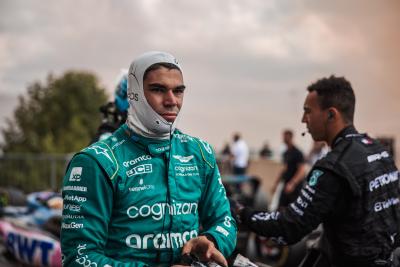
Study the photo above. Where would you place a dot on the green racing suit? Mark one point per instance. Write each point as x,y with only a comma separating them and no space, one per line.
131,201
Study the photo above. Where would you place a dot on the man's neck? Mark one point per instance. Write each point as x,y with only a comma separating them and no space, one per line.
335,134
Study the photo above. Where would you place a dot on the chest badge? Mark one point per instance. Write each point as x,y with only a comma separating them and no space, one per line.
314,177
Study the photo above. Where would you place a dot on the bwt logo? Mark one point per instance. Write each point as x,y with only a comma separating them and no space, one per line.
141,169
26,249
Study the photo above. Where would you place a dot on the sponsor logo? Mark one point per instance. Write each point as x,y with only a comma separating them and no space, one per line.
227,221
73,217
187,170
141,169
221,186
183,159
142,187
160,241
28,248
296,209
75,175
314,177
183,138
72,207
80,248
133,96
301,202
75,188
100,151
117,144
72,225
75,198
136,160
265,216
158,210
309,189
366,141
82,259
378,156
161,149
306,195
206,146
383,180
379,206
222,230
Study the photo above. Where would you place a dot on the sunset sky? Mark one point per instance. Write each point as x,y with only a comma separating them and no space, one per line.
246,64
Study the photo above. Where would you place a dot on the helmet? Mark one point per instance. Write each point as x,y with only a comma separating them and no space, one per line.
121,98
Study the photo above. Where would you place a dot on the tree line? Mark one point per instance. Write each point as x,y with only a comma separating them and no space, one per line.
59,116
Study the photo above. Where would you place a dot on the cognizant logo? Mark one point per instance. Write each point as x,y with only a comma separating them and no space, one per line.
167,240
158,210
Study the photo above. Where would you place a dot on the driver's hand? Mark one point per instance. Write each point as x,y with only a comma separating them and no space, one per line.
205,250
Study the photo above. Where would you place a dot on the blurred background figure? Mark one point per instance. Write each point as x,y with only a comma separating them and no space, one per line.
289,182
114,113
224,159
319,149
240,155
265,151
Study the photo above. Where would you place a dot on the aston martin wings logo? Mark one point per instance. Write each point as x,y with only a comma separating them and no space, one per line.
100,150
183,159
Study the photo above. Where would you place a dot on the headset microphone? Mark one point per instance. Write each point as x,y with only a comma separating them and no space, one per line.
303,133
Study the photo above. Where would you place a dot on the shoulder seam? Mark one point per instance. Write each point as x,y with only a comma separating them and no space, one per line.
202,154
115,160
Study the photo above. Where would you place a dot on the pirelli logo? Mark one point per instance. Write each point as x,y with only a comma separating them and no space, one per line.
141,169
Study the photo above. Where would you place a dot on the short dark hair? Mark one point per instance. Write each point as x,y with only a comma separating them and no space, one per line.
335,92
156,66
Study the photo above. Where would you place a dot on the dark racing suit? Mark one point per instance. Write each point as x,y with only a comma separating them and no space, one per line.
354,193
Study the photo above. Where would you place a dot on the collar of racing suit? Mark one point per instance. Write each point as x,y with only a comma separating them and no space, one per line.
344,133
152,145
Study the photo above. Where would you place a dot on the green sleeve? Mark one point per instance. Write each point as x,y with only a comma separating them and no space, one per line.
88,202
215,212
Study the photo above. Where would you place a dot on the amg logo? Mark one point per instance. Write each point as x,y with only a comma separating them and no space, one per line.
141,169
378,156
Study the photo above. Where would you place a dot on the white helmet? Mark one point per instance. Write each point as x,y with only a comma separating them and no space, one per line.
142,118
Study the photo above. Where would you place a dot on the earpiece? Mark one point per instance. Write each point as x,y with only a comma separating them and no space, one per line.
330,114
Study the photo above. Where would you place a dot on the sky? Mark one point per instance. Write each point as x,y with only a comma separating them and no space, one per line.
246,64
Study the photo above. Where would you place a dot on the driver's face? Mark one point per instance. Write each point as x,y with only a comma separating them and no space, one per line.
164,90
314,117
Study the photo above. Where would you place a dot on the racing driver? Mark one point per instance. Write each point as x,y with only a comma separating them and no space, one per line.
149,192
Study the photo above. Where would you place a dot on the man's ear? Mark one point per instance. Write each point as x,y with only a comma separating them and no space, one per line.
332,113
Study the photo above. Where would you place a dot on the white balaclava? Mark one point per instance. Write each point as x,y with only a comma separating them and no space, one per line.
142,118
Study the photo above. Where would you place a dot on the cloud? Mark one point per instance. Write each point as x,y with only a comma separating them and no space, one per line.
248,62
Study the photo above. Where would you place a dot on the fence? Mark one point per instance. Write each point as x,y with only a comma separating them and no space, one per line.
33,172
